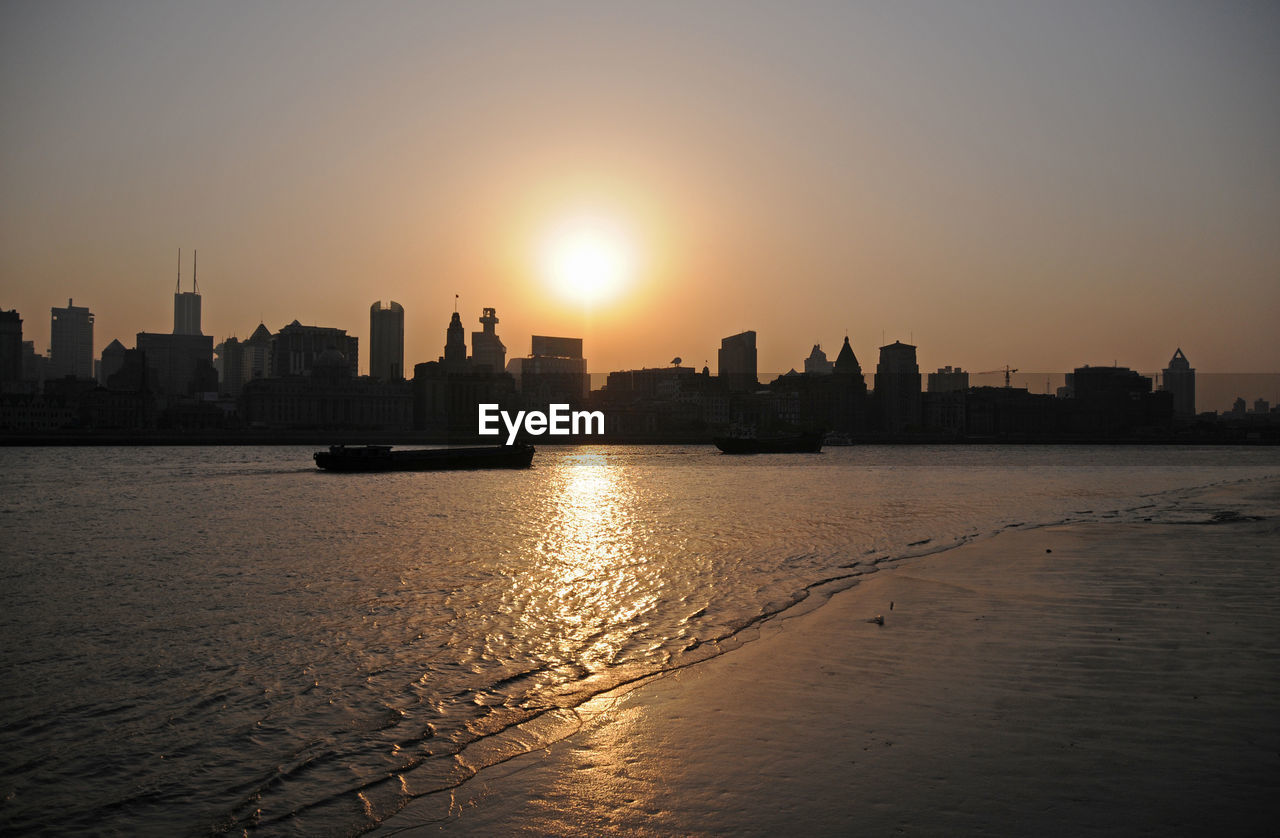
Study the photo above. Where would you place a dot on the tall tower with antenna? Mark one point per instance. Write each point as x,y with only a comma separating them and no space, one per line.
186,304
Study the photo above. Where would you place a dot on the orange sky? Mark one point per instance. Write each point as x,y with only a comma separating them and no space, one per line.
1039,184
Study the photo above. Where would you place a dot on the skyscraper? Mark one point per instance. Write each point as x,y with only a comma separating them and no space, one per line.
737,361
71,342
386,341
10,347
1180,380
186,304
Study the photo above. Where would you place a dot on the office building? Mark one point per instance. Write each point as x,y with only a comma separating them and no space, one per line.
71,342
179,365
386,341
186,304
10,347
736,362
1180,380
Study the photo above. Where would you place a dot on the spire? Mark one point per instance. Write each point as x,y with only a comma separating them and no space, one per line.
846,361
178,290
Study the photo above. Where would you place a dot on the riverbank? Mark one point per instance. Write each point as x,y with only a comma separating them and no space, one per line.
1105,679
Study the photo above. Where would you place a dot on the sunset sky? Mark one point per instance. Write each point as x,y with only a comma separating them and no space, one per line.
1037,184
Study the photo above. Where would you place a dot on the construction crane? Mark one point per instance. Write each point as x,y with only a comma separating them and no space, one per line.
1007,373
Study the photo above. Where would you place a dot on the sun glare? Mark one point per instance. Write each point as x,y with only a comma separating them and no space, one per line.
588,260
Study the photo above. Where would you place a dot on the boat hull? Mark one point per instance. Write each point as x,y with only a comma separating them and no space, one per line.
799,444
381,458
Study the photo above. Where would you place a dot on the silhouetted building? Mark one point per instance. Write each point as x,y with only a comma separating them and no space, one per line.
665,383
111,362
852,407
10,347
948,380
295,348
179,365
846,362
486,347
736,362
132,374
554,373
231,376
455,346
35,412
71,342
329,398
386,341
835,400
447,393
897,391
817,363
257,354
1180,380
186,304
34,366
1116,402
1010,413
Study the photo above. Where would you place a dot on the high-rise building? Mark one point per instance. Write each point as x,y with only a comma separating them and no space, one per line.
231,371
386,341
71,342
186,304
897,391
257,354
179,365
1180,380
737,362
10,347
486,347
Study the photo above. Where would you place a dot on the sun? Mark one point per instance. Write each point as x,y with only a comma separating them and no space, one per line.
588,259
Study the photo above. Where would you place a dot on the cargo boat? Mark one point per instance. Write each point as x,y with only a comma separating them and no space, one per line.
810,443
382,458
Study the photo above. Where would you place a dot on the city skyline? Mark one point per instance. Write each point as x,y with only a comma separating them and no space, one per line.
1040,186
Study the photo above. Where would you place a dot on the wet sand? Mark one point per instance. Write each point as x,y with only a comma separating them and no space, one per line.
1127,682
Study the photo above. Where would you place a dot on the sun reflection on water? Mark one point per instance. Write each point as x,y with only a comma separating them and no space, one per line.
585,597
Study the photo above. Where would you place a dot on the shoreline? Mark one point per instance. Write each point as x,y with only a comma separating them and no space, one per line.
1101,678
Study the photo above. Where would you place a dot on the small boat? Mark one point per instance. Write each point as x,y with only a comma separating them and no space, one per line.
808,443
382,458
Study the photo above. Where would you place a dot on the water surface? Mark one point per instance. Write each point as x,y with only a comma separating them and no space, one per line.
214,640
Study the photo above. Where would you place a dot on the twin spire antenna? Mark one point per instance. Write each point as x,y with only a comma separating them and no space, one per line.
195,286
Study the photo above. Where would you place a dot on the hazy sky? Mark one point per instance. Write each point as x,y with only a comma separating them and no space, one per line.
1039,184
